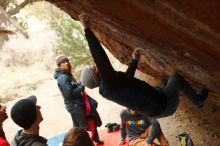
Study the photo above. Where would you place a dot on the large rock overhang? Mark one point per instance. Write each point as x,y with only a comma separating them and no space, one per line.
178,36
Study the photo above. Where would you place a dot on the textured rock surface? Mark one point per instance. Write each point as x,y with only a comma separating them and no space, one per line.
179,36
8,26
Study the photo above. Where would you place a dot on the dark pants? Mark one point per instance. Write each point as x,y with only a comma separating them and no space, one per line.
79,118
102,62
176,86
96,135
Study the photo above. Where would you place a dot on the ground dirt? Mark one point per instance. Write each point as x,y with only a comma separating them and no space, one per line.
203,125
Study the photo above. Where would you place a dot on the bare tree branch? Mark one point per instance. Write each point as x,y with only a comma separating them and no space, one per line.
4,4
20,6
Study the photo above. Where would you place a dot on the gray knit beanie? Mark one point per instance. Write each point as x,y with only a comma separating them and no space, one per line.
60,58
89,78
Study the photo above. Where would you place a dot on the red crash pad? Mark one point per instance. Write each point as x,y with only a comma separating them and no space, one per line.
110,139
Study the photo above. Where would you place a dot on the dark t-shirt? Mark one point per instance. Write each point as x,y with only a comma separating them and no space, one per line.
134,125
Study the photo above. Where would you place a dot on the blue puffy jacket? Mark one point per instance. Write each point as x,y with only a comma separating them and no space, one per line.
70,90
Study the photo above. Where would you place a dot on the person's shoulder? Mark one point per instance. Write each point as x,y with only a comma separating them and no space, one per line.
40,143
64,76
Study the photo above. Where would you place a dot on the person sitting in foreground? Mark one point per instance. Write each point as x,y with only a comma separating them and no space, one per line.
26,114
77,136
141,130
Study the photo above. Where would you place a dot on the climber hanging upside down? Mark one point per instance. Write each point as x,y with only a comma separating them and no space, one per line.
123,88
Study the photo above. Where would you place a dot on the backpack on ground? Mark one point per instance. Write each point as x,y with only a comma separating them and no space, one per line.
185,139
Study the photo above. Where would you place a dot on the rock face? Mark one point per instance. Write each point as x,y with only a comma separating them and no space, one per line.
8,27
181,36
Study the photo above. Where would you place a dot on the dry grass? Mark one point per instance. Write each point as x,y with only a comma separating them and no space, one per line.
24,63
17,81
